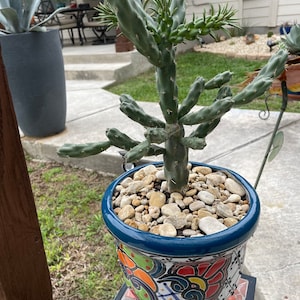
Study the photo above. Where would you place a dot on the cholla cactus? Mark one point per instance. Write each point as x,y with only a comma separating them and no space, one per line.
155,30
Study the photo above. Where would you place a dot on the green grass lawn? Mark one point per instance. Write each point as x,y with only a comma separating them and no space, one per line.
193,64
80,251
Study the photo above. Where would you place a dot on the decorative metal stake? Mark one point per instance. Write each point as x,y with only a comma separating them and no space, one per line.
282,110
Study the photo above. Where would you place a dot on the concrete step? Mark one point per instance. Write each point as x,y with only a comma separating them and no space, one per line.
91,58
81,85
93,71
102,64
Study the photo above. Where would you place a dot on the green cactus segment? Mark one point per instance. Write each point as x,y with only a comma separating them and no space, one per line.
156,135
205,128
120,140
177,8
214,111
134,22
217,20
224,92
194,143
155,150
137,152
167,88
255,89
192,98
143,149
262,82
275,65
130,108
218,80
176,159
82,150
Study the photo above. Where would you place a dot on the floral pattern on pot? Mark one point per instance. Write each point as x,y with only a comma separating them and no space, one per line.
160,278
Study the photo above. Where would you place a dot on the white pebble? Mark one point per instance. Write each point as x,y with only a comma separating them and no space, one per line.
140,208
180,203
223,210
134,187
127,212
189,232
125,201
146,218
206,197
154,212
125,182
170,209
178,220
233,198
210,225
150,169
215,179
234,187
196,205
167,229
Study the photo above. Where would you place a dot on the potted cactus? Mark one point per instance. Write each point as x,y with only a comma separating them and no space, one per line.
164,247
290,41
35,70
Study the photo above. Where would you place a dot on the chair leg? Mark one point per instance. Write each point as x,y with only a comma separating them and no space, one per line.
84,36
61,36
102,33
71,35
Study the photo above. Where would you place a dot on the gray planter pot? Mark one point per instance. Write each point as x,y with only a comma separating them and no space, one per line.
35,72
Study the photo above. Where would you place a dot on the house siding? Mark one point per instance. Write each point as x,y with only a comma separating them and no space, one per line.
197,6
253,13
288,11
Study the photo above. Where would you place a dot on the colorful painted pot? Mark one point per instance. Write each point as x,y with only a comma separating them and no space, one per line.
206,267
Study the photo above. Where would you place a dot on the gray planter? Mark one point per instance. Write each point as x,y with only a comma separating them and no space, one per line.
35,72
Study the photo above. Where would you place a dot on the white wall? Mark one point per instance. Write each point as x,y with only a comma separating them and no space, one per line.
288,11
253,13
198,6
257,13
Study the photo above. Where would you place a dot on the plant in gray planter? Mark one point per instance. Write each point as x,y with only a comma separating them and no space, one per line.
156,264
34,65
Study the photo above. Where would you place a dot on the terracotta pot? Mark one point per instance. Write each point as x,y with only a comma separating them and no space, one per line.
206,267
123,44
292,77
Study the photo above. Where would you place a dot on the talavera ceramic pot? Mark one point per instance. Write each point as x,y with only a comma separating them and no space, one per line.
206,267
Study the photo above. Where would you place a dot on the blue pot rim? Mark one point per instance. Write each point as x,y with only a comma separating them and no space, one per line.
182,247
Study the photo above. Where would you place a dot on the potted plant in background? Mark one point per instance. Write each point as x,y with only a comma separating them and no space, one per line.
161,214
34,64
122,43
285,28
290,41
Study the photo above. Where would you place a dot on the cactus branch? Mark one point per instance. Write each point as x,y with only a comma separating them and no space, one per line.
83,150
192,98
167,88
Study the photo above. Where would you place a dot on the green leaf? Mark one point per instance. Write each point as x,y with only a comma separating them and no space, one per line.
276,145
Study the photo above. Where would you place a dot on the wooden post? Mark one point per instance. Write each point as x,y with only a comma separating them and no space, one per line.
24,273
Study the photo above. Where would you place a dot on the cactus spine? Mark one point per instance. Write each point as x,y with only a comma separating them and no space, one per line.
155,30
